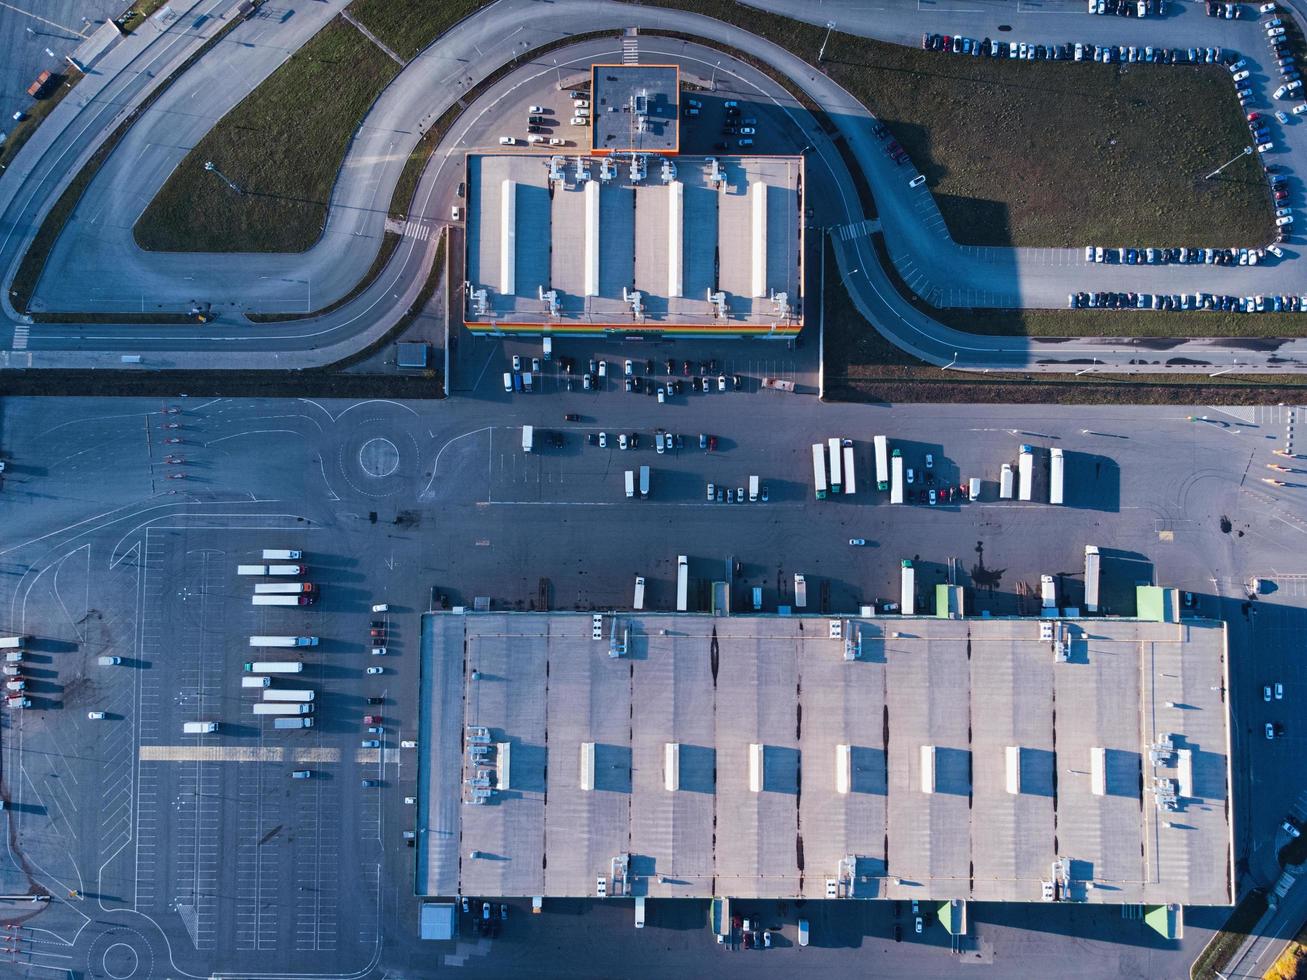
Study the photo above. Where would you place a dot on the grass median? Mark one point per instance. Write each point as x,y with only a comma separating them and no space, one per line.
59,87
1049,153
282,146
1224,944
408,26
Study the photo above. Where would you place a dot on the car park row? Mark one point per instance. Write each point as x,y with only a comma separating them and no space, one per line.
1074,51
523,375
1133,8
1174,256
1187,301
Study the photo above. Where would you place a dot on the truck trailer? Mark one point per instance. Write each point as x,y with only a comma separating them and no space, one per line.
280,694
896,478
270,569
682,583
298,721
274,667
1005,482
528,438
281,554
282,600
283,588
255,680
850,482
1048,593
908,589
11,642
630,483
644,481
881,445
819,470
283,641
836,460
1092,558
800,592
1025,472
274,708
753,489
1055,475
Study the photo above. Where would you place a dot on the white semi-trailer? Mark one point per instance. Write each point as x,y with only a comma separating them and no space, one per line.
281,554
882,462
850,481
1025,472
1055,487
682,583
281,600
264,708
281,694
283,641
1092,558
1005,482
896,478
283,588
908,588
1048,593
299,721
274,667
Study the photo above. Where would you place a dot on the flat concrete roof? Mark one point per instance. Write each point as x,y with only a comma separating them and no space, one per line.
635,108
971,756
674,236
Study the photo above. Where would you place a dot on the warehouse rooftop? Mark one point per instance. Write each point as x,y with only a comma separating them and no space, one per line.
982,759
635,108
567,243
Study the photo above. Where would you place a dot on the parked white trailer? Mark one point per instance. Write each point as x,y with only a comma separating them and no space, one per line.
300,721
281,694
1025,472
1055,488
753,489
630,483
836,465
283,588
819,470
286,569
1005,482
283,641
281,600
850,481
11,642
1091,578
274,667
199,727
281,554
644,481
882,462
908,588
800,591
896,478
251,569
682,583
256,681
639,592
264,708
1048,592
528,438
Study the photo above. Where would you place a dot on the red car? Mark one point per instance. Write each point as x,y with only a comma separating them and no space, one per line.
377,633
1254,116
712,444
372,719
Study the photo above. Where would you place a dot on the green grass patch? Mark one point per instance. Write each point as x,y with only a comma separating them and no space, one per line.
408,26
1050,153
1216,954
282,145
58,88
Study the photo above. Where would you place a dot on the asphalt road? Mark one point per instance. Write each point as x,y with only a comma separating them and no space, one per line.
224,283
202,864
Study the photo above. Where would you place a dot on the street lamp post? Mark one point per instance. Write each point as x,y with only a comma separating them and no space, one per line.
559,72
712,83
830,26
1246,150
208,165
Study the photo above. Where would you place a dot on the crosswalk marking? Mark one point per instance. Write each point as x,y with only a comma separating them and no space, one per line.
20,336
857,229
630,51
416,229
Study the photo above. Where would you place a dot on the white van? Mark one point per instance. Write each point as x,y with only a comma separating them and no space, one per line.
507,141
508,381
973,488
109,661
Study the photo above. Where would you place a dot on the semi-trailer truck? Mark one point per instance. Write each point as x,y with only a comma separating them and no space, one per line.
850,482
644,481
270,569
836,481
800,591
281,554
1025,472
280,694
528,438
896,478
1048,592
630,483
908,589
882,462
1005,482
255,681
275,708
753,489
274,667
199,727
819,470
1055,475
11,642
283,641
283,588
298,721
639,592
1092,558
282,600
682,583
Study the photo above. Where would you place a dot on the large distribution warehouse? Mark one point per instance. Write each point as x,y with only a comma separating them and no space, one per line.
674,755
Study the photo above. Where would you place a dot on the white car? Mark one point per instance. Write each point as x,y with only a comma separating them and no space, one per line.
381,607
370,743
1299,109
1281,116
378,651
603,440
1265,147
517,362
857,542
1275,31
96,715
658,443
1239,76
581,103
712,492
376,670
1290,829
603,369
507,141
911,476
535,138
622,442
628,367
930,461
580,121
536,110
1286,220
1266,692
555,141
721,382
1279,691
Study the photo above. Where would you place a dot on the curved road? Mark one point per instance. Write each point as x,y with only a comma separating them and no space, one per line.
420,93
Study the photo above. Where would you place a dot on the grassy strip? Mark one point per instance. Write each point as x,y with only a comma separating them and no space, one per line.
138,14
389,242
1216,954
22,132
861,366
282,145
409,26
1095,323
34,259
1049,153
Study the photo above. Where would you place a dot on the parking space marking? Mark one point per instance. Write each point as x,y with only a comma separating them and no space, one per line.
211,753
